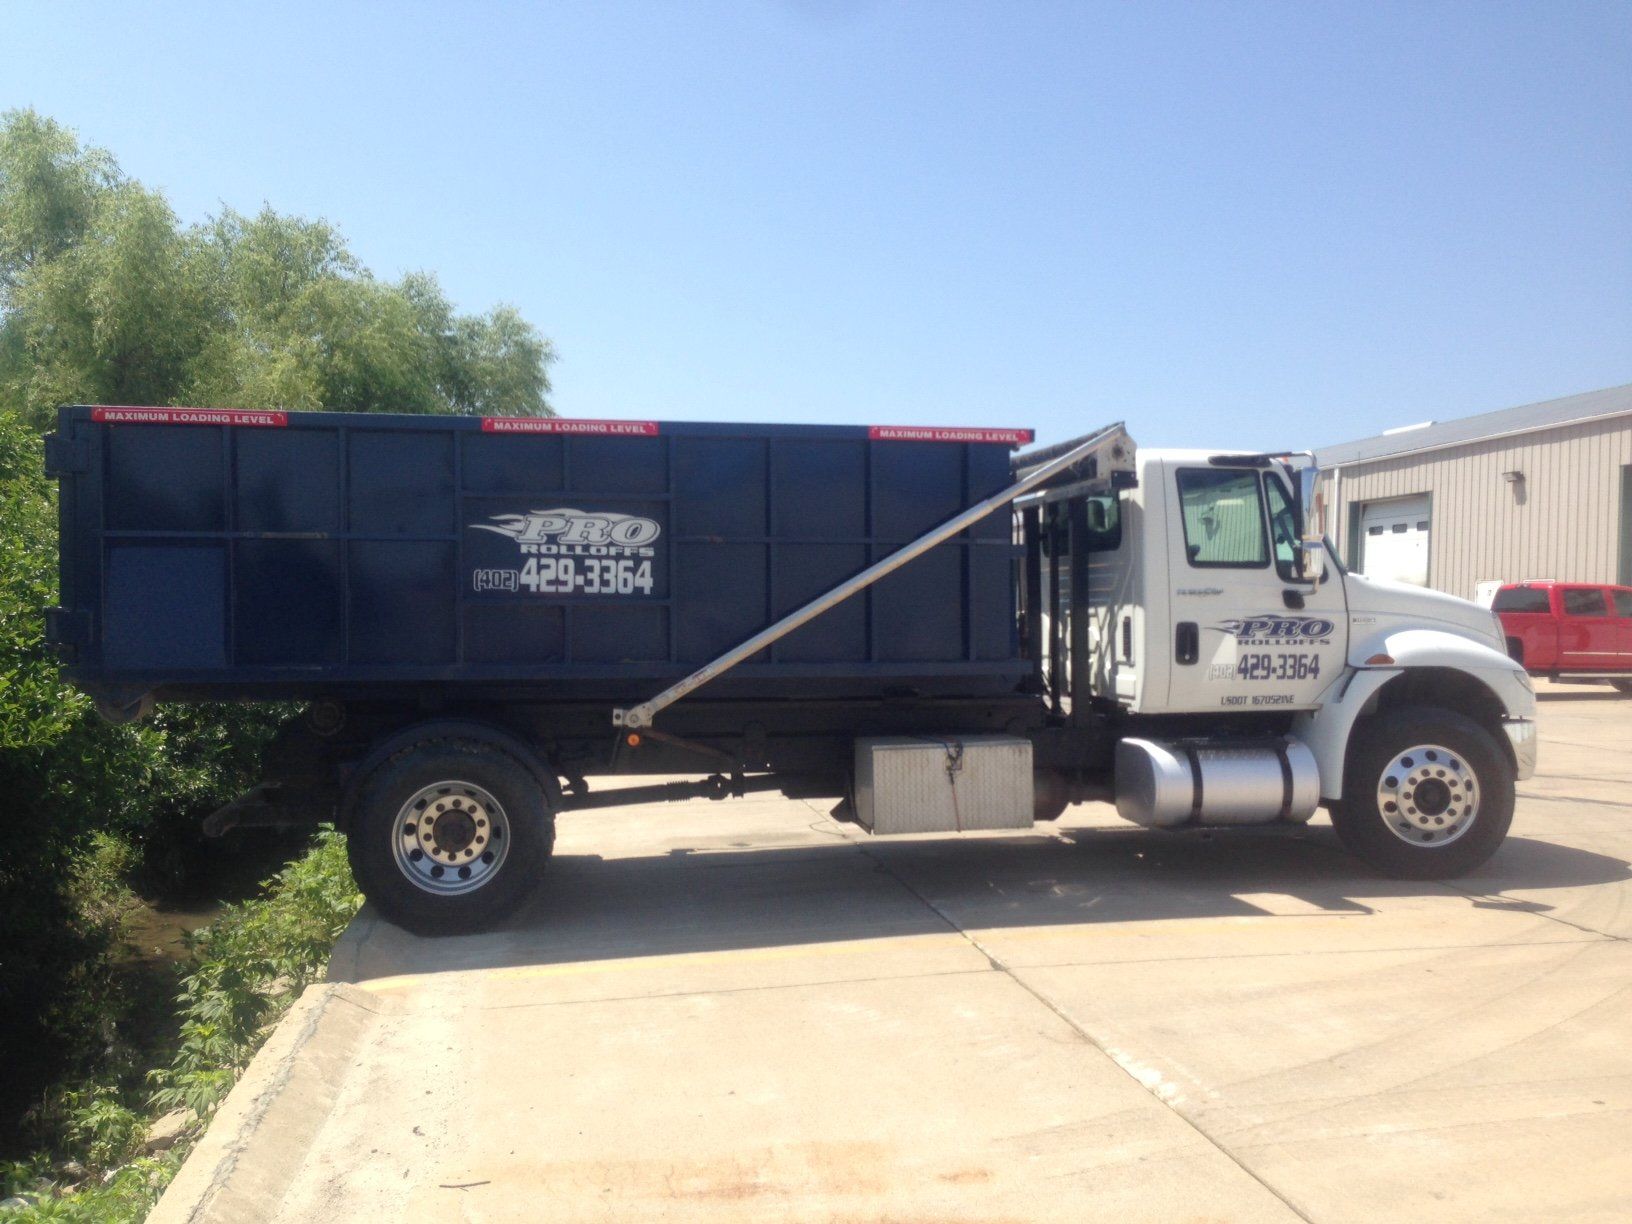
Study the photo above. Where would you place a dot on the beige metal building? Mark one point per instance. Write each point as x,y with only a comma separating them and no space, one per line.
1540,491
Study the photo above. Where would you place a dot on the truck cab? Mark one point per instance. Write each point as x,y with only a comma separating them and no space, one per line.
1221,638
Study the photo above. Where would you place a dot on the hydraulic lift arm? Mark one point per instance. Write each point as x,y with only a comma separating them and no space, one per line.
1061,459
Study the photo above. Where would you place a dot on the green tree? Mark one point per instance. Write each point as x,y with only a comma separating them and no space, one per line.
107,297
48,189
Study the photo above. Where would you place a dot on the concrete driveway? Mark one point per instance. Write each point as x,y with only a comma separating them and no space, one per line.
744,1011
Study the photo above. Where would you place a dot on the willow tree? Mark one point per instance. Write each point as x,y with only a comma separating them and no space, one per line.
106,297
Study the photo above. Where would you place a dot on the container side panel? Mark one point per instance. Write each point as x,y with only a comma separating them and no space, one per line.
719,487
515,633
394,547
917,485
616,467
166,607
991,605
918,609
988,474
622,634
165,478
721,589
402,599
287,480
401,482
287,603
818,490
801,572
508,463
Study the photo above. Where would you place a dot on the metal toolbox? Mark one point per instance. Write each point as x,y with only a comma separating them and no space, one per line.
923,784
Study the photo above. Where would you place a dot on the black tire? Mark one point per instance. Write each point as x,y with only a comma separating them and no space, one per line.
1433,832
481,785
1623,687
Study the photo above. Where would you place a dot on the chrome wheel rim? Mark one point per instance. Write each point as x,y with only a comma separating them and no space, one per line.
450,838
1428,795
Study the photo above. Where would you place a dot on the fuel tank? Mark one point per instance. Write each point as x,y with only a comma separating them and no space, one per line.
1166,784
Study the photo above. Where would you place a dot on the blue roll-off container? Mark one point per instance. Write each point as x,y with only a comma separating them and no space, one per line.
211,554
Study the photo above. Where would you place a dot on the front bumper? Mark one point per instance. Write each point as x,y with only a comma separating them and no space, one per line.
1521,734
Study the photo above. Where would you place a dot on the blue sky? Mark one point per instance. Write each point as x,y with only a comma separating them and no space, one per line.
1269,225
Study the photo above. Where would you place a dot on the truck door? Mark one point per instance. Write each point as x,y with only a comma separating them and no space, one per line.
1586,631
1620,600
1245,633
1528,624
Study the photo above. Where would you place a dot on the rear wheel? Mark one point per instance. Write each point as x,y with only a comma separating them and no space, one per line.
1428,794
449,836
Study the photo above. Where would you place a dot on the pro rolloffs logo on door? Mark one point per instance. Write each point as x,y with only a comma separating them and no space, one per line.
1270,629
574,552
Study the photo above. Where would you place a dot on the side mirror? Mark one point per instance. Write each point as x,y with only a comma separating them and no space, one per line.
1312,560
1306,478
1311,547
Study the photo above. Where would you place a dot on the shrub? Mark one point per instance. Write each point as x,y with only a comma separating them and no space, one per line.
246,968
249,965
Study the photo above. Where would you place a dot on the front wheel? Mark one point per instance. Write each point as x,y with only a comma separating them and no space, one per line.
448,836
1428,794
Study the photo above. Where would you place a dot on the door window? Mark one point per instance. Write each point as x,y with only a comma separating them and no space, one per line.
1223,513
1584,601
1520,599
1283,529
1623,602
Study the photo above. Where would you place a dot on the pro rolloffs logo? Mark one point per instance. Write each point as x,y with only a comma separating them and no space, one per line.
574,552
1271,629
590,533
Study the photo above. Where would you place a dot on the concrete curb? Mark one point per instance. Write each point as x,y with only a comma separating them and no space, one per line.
348,949
263,1131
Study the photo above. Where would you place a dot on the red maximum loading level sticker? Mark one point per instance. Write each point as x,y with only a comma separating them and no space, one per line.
935,433
563,425
122,415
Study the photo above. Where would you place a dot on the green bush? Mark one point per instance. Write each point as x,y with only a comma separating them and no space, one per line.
245,969
249,965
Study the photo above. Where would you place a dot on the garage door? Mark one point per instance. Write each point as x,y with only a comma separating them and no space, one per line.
1394,540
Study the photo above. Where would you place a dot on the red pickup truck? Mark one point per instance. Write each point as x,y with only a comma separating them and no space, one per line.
1569,630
